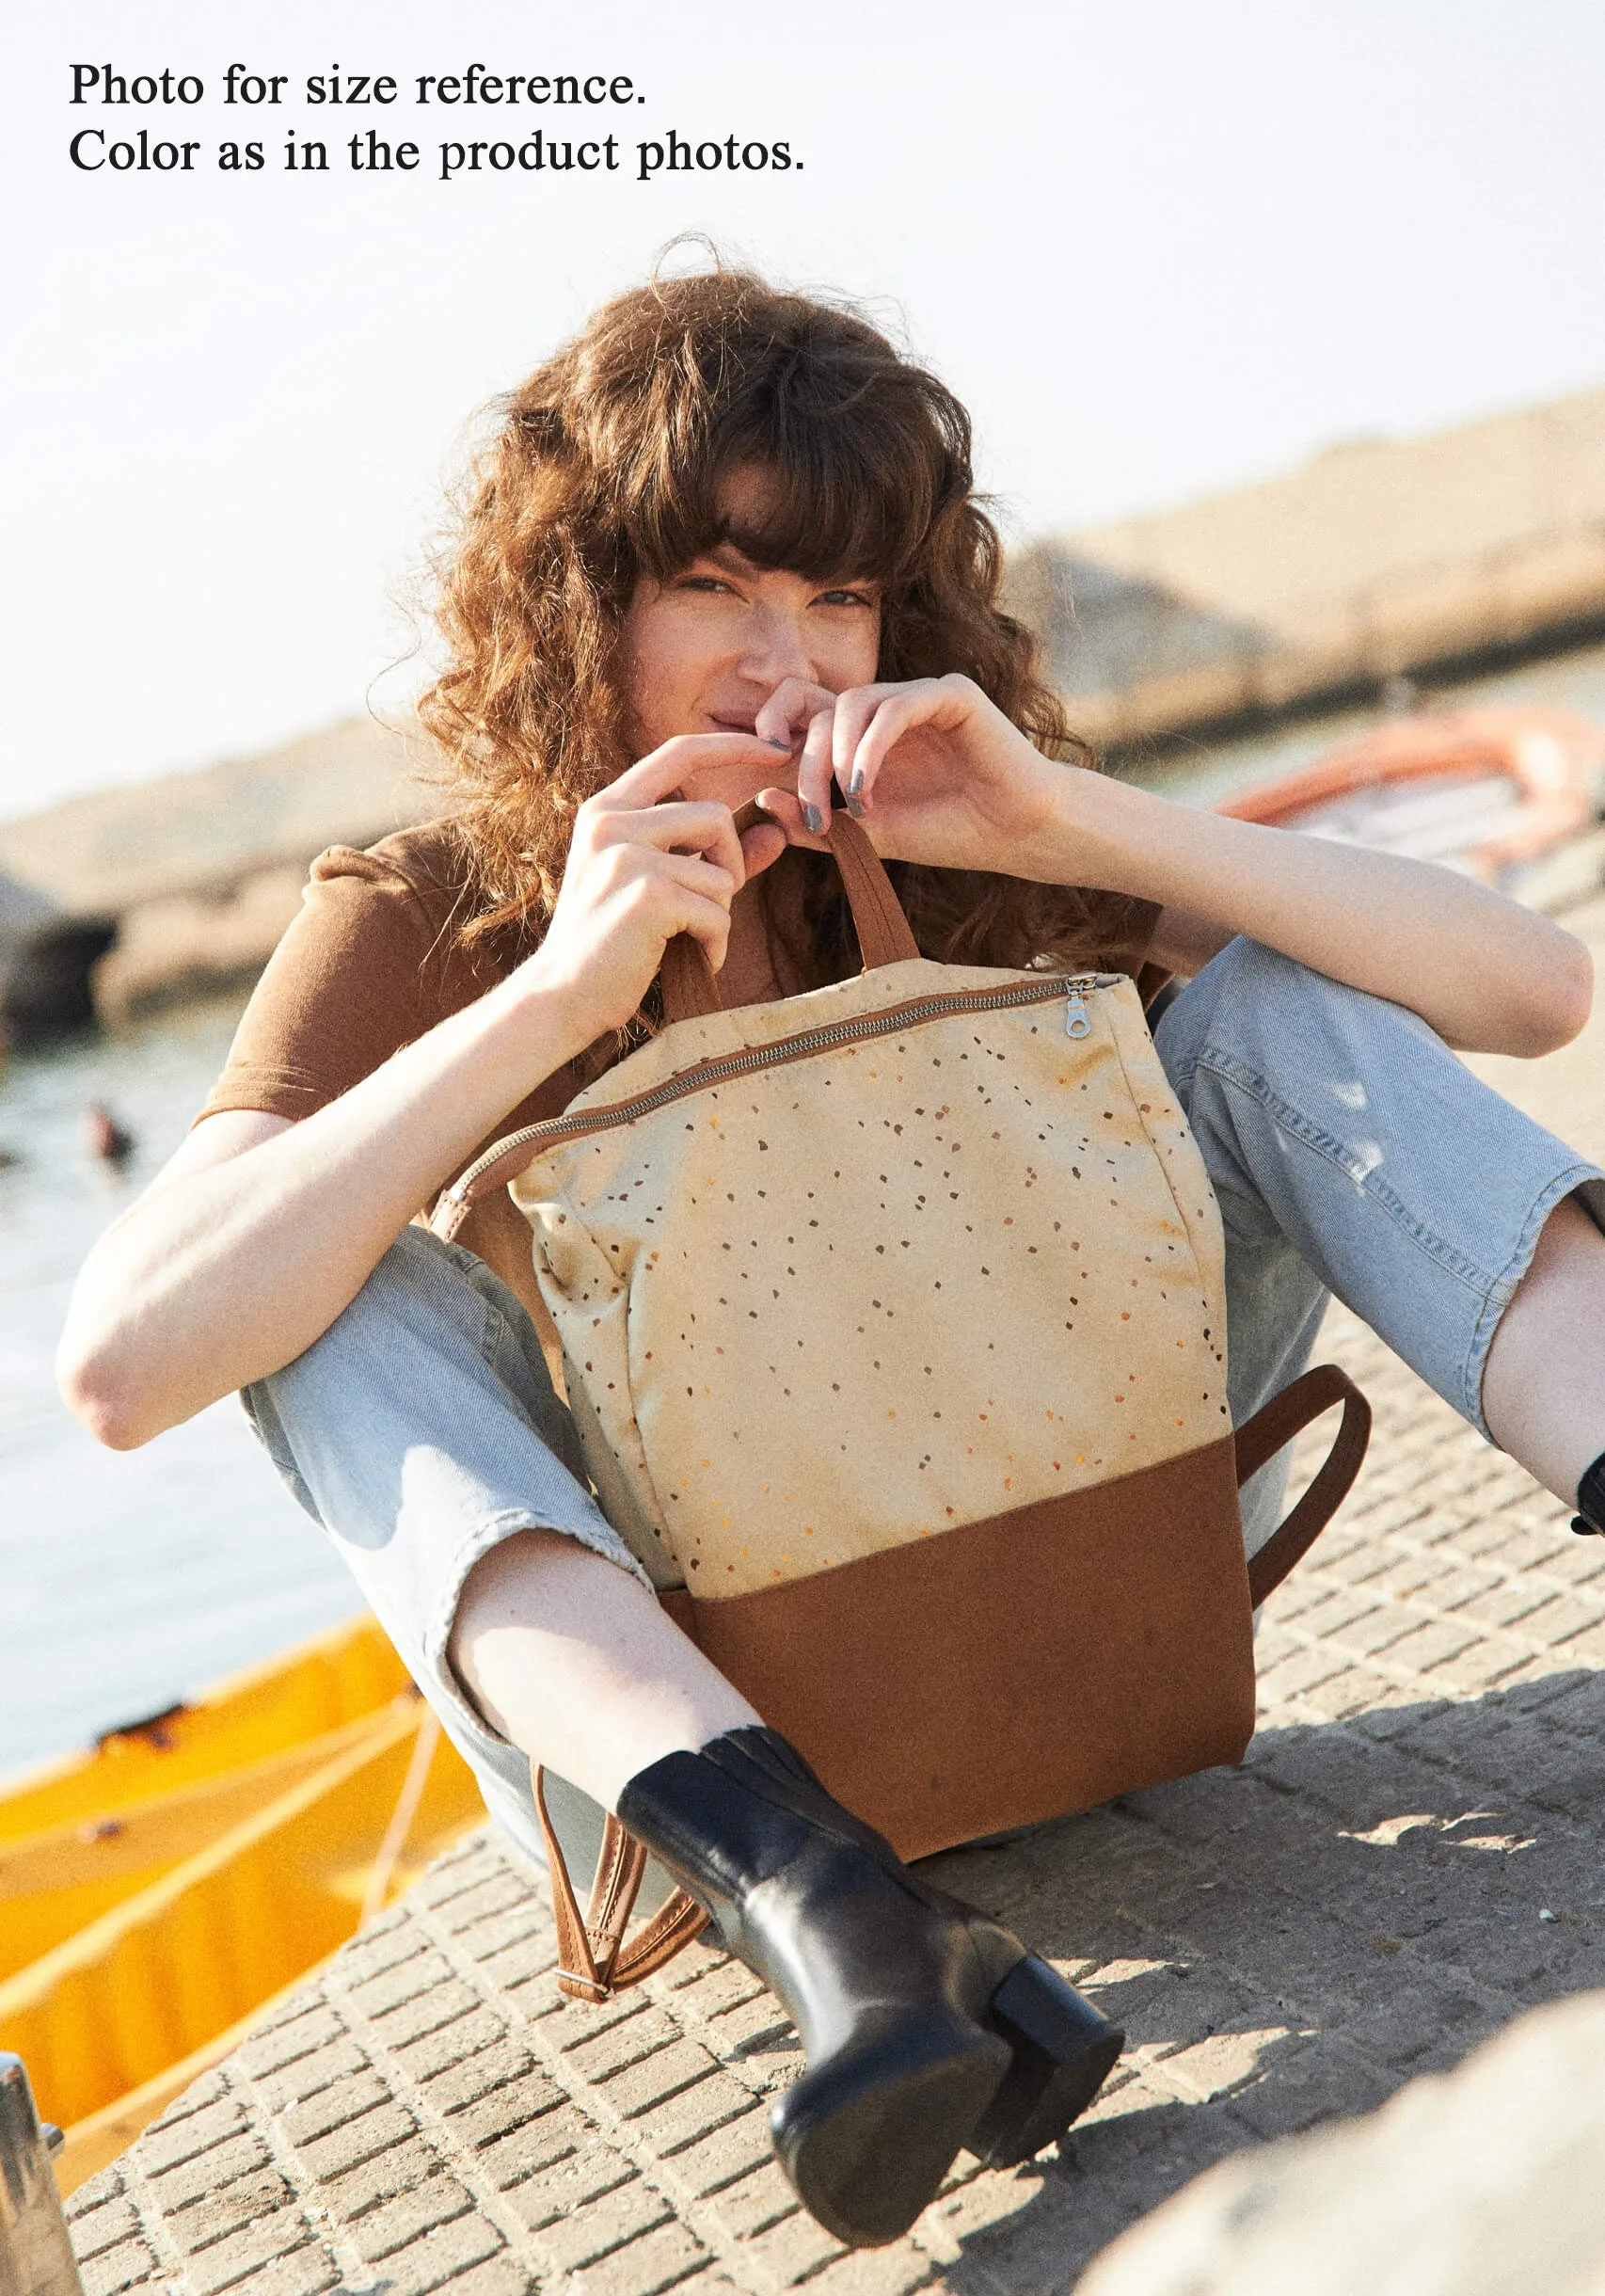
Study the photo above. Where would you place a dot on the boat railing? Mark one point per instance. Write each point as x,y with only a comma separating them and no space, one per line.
36,2255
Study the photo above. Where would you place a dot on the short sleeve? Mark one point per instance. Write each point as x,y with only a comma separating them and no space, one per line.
349,984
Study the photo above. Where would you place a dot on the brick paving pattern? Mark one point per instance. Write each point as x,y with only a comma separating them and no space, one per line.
1408,1859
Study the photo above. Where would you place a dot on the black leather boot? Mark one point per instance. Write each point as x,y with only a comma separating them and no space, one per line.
928,2027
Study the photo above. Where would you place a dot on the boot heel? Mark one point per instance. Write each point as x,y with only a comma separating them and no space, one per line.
868,2139
1063,2052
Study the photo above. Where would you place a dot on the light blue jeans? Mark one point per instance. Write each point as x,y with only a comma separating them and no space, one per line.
1352,1153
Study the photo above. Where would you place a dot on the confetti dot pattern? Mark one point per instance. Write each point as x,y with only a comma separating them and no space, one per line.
863,1297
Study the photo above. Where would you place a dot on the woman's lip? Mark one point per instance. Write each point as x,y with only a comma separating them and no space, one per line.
749,725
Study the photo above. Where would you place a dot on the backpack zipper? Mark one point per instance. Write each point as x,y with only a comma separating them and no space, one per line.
807,1042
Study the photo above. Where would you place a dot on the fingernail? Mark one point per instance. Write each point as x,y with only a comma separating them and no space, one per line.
856,806
773,743
855,786
814,820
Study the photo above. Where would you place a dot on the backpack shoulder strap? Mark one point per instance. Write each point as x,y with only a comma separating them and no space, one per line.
594,1959
1277,1422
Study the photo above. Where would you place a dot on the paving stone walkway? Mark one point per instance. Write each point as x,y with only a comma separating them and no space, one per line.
1409,1859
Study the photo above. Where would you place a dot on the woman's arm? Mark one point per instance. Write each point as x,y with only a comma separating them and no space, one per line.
1488,975
256,1235
253,1238
944,778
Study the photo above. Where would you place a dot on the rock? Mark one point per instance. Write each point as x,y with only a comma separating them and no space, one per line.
1486,2182
189,943
169,888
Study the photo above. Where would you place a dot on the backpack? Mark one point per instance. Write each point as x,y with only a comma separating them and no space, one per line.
893,1329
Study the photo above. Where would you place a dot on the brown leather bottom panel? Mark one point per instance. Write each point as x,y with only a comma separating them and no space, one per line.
1017,1668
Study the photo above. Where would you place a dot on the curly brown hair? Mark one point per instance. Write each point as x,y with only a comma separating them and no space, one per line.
607,466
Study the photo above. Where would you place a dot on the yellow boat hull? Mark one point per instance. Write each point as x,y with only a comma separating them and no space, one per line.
156,1894
54,1883
301,1695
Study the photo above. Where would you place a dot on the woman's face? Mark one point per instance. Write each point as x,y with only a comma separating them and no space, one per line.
705,649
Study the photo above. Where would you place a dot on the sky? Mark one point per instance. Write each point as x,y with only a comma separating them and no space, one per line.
1159,248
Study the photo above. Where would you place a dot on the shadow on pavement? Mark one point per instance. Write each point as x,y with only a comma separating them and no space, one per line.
1290,1941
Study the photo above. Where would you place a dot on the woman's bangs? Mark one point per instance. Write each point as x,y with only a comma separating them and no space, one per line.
839,495
839,498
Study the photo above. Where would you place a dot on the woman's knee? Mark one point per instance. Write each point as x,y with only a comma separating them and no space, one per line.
420,1285
1253,1008
434,1355
1225,984
431,1314
341,1395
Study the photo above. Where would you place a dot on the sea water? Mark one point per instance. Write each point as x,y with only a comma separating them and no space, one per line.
127,1579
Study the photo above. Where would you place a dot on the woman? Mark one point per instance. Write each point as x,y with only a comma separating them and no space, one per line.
725,546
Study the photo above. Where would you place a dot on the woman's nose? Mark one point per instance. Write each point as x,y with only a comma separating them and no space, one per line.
775,647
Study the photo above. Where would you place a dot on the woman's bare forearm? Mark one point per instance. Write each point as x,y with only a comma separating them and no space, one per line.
1488,975
238,1257
942,779
224,1271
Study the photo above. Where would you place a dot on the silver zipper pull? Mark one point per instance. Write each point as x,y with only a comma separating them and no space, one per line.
1076,1022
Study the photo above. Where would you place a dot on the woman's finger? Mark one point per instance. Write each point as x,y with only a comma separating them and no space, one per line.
901,709
762,846
683,825
793,705
685,908
784,808
853,711
814,773
660,772
705,879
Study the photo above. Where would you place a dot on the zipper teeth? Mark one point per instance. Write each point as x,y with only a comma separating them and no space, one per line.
807,1041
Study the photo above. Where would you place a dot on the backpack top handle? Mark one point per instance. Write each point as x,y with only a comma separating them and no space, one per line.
690,985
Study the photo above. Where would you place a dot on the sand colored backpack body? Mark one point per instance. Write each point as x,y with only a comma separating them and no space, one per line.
894,1327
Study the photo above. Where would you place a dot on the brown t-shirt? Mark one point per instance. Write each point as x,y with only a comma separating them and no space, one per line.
374,960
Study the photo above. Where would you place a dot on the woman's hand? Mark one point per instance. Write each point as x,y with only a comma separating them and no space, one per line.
260,1232
942,777
644,865
933,768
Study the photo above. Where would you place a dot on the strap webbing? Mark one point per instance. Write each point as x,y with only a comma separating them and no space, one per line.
594,1960
1277,1422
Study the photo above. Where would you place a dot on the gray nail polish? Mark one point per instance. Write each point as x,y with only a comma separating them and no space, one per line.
776,744
855,786
856,806
814,819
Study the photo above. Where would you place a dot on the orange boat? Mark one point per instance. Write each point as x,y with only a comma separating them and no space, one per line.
1495,792
158,1892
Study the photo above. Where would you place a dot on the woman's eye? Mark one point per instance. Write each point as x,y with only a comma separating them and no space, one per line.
703,582
846,597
